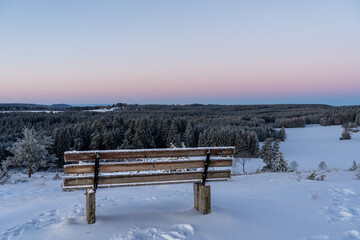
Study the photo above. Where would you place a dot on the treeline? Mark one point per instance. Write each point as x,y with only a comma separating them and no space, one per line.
161,126
112,131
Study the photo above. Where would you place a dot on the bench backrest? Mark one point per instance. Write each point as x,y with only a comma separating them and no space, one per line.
97,169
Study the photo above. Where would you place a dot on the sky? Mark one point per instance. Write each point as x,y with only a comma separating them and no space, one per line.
180,51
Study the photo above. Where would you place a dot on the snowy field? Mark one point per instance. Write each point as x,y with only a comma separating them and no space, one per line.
310,145
248,207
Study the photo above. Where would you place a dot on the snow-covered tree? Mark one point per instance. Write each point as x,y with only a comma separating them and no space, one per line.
279,163
358,173
323,166
293,166
272,157
31,151
189,135
267,152
128,136
349,128
203,139
143,137
173,136
4,174
354,166
96,140
62,142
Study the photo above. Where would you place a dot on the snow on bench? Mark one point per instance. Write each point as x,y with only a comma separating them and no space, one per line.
120,168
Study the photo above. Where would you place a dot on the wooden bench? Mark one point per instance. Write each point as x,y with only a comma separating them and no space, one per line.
91,170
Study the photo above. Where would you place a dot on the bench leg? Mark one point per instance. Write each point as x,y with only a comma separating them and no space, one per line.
204,199
196,195
90,206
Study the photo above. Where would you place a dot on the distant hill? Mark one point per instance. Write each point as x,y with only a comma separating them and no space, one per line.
60,106
30,106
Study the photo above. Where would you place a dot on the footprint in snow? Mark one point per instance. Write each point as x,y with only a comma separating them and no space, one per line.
178,231
345,207
42,220
177,193
77,211
151,198
132,199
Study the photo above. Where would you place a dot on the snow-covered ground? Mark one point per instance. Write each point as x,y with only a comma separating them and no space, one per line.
310,145
260,206
248,207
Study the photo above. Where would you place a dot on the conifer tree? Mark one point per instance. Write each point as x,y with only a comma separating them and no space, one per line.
202,139
189,136
143,137
62,143
323,166
173,137
279,163
96,141
118,132
128,136
357,174
272,157
354,166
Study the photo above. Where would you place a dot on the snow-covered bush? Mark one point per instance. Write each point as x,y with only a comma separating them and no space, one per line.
349,128
4,174
314,196
31,151
354,166
293,166
323,166
345,135
357,173
57,176
272,157
316,176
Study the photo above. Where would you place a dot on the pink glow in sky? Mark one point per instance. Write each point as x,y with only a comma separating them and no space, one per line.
231,52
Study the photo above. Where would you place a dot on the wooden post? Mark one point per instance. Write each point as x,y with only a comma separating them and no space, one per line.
204,199
90,206
196,195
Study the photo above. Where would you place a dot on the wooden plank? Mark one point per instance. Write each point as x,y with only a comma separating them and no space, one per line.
144,178
144,166
84,187
147,153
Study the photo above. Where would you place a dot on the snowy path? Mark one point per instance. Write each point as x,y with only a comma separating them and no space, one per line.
262,206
